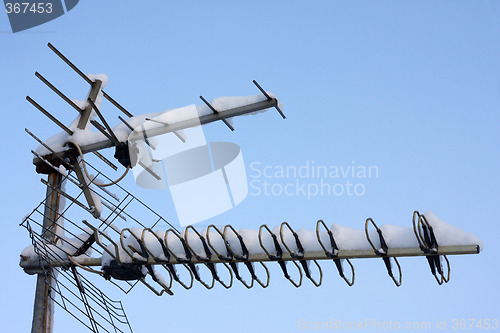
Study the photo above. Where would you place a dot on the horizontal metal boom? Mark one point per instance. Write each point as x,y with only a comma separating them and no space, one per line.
262,257
206,119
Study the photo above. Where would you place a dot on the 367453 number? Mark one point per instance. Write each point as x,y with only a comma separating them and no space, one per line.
25,7
465,324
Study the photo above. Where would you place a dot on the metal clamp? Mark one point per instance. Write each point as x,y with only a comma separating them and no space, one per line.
383,252
334,253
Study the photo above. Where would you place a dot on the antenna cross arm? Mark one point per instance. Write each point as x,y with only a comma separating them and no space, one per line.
31,266
159,130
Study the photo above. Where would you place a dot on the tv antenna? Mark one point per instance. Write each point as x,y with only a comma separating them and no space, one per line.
106,232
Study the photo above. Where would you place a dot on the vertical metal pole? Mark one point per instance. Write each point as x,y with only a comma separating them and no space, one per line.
94,91
43,308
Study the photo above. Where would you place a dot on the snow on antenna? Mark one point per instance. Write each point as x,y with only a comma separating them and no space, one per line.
120,239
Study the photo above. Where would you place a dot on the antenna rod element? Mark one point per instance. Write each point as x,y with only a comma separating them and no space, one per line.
115,103
166,124
111,133
66,164
105,160
70,64
269,98
126,124
58,92
101,129
85,77
51,117
217,113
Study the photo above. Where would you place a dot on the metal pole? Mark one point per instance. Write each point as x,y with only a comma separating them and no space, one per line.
202,120
44,306
94,91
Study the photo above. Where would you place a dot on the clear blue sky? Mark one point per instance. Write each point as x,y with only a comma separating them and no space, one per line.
410,87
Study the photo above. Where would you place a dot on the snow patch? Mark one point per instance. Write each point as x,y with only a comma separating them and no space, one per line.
447,234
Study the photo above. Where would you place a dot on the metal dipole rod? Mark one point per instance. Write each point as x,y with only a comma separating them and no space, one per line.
44,306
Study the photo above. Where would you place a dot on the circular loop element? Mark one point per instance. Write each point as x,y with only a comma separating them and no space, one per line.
443,279
429,240
228,256
447,278
227,286
163,285
197,277
368,220
384,253
317,284
244,257
423,223
98,233
334,252
171,269
249,286
351,282
234,266
144,261
187,259
430,248
295,284
279,252
160,240
268,279
294,255
206,260
244,249
300,255
278,256
165,289
202,239
416,230
398,281
131,247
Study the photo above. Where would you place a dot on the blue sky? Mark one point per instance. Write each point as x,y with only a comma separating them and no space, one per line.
412,88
